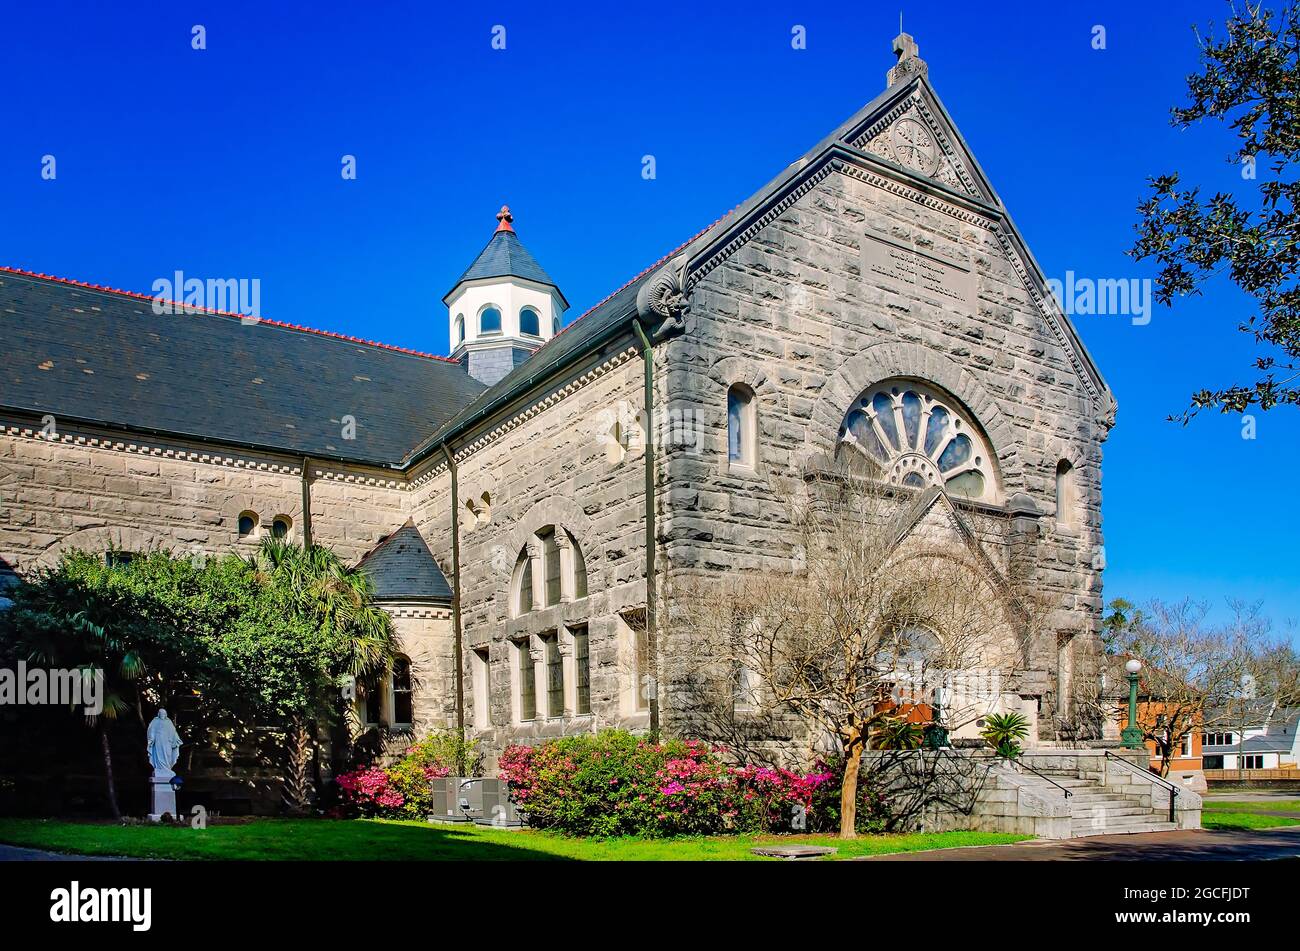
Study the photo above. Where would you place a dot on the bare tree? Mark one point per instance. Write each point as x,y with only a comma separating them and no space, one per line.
882,601
1194,675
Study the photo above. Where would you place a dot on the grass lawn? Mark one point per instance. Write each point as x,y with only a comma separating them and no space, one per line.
1252,805
1221,819
334,840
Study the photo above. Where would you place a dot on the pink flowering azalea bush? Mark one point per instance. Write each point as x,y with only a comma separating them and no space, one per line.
614,783
404,790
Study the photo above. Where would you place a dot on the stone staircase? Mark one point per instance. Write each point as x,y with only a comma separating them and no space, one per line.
1110,791
1097,810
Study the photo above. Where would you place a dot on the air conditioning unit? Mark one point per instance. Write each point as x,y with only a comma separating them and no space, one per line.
446,804
498,810
469,796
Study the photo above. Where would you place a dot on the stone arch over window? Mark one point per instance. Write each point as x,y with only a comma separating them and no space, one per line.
287,509
550,569
739,377
899,360
742,426
247,525
551,511
914,435
103,539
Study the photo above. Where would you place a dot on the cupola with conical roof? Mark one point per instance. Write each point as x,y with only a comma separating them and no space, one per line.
504,307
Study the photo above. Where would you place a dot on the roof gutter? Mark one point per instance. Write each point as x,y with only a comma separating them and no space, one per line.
306,501
458,636
207,440
648,357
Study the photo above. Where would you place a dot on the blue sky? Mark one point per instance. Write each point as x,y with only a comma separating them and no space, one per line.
225,162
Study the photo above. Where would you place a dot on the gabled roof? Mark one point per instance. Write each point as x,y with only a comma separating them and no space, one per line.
855,144
100,356
506,256
401,568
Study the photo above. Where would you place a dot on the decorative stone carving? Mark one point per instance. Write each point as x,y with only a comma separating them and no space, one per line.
914,145
662,299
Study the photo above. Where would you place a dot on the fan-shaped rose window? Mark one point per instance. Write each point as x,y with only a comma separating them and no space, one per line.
916,437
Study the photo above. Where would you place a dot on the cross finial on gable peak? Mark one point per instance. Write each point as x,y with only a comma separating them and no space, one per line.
909,60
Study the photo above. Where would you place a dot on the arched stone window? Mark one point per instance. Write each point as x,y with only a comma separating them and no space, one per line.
489,320
530,324
549,570
281,526
913,435
741,426
1066,494
248,525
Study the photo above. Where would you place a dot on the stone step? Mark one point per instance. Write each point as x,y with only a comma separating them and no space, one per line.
1115,822
1084,832
1100,797
1109,811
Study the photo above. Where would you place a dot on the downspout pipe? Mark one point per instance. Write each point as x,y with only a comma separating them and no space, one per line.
458,636
651,627
306,502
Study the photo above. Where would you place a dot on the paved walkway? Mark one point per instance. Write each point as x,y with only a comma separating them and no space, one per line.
13,853
1191,846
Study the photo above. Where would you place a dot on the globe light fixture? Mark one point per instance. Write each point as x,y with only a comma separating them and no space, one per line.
1131,735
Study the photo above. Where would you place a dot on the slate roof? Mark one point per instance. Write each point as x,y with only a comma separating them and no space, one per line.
506,256
401,568
100,356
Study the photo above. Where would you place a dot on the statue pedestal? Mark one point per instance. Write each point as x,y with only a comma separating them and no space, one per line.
162,795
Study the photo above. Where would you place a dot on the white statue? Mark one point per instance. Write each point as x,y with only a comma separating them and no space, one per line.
164,744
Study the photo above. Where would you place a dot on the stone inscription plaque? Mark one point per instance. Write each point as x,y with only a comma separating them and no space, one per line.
904,268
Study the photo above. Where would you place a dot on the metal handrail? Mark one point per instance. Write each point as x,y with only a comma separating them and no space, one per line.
1147,774
1042,775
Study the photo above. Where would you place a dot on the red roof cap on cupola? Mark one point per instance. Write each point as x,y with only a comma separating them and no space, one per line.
504,217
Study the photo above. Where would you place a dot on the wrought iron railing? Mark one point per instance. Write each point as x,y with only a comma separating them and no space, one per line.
1039,773
1152,777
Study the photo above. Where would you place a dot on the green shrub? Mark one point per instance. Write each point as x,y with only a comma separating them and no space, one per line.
1004,731
405,789
613,783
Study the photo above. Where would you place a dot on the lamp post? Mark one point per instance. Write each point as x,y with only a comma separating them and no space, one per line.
1131,735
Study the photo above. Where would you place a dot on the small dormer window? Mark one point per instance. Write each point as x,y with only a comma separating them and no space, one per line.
530,323
555,325
458,333
489,322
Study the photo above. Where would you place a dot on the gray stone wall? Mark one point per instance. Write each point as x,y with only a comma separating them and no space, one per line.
490,365
792,315
89,489
556,459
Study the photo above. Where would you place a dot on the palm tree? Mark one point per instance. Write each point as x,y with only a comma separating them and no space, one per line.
340,600
58,633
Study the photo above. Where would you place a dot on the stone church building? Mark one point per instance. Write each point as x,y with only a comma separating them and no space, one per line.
874,294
